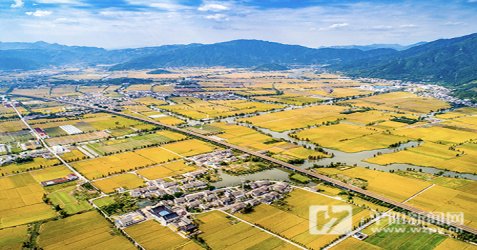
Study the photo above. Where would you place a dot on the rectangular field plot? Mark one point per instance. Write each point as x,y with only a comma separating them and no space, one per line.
69,139
292,220
442,199
22,195
249,138
396,187
152,235
189,147
127,181
12,126
401,101
13,237
83,231
434,155
407,239
223,232
198,109
134,142
297,118
127,161
36,163
165,170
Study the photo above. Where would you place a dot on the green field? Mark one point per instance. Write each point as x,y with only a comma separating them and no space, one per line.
67,201
405,239
134,142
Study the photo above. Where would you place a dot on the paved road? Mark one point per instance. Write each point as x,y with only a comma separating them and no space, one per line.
283,164
80,176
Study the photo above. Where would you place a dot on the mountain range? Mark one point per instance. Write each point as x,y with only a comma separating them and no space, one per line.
448,61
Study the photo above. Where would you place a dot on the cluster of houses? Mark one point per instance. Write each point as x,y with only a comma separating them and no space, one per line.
215,159
176,212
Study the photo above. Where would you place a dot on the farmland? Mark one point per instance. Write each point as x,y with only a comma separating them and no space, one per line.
297,118
66,199
401,101
21,194
13,237
249,138
110,184
198,109
393,186
87,230
165,170
152,235
293,222
223,232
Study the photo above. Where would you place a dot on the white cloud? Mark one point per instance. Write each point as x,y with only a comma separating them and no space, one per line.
17,4
407,26
39,13
213,7
217,17
335,26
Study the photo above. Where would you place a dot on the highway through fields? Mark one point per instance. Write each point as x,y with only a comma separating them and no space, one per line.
421,213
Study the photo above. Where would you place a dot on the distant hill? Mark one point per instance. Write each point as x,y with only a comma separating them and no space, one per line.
271,67
450,61
159,72
378,46
246,53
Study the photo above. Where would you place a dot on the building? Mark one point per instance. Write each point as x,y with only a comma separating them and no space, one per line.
163,214
130,219
68,178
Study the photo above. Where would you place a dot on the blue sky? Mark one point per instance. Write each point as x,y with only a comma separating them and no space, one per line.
313,23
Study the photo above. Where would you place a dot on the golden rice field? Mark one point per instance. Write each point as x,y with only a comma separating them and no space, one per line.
222,232
434,155
69,139
150,101
152,235
292,99
12,126
127,161
13,237
349,138
22,195
126,181
249,138
50,173
393,186
73,155
37,163
437,134
139,87
199,109
189,147
292,220
83,231
442,199
166,170
450,243
401,101
297,118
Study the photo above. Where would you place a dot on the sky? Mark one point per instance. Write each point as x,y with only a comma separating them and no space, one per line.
313,23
